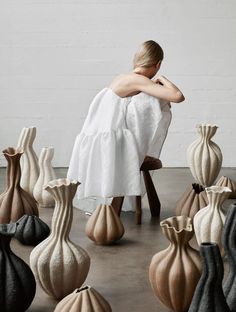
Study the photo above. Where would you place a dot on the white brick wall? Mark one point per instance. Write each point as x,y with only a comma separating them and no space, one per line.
56,54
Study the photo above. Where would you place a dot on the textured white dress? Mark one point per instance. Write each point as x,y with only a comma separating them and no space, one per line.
116,136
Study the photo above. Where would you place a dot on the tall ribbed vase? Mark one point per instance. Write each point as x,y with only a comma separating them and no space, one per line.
229,243
175,271
46,174
208,296
14,201
209,221
59,265
204,156
29,161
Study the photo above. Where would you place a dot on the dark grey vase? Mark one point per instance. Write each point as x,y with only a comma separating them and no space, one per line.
17,283
229,244
209,296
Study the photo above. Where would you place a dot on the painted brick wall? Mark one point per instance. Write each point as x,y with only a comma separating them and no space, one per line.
56,54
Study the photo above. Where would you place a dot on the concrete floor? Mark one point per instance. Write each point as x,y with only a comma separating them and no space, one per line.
120,272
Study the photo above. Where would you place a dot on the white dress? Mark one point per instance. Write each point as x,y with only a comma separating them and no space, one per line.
116,136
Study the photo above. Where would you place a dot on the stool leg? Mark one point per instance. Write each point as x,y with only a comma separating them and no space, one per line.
138,209
117,203
153,200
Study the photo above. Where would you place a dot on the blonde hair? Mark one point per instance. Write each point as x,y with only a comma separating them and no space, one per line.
149,54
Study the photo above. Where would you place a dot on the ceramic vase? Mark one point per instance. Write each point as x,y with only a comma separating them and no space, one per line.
46,174
29,160
17,283
193,199
209,221
31,230
208,296
104,226
225,181
176,270
229,243
14,201
85,299
58,264
204,156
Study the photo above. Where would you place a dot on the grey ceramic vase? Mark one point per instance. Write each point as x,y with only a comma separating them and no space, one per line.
209,296
229,243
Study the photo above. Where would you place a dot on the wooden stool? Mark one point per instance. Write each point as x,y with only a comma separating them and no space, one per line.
149,163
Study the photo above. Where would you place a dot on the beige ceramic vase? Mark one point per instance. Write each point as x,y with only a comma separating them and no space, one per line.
14,201
225,181
204,156
46,174
193,199
209,221
104,226
85,299
29,160
175,271
59,265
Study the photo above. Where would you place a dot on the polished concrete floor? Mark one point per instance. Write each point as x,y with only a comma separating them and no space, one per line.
120,272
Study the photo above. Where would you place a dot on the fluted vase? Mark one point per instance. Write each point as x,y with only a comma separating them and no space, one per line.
14,201
46,174
58,264
209,221
29,160
225,181
204,156
176,270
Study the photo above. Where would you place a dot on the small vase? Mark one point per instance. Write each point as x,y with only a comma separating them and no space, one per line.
104,226
193,199
58,264
209,221
14,201
46,174
29,161
208,296
85,299
229,243
176,270
17,283
224,181
204,156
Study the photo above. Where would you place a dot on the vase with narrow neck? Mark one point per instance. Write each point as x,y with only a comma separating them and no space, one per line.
204,156
229,243
209,221
17,283
58,264
14,201
85,299
29,161
208,296
176,270
46,174
225,181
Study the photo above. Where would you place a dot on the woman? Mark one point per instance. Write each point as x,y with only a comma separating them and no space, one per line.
126,122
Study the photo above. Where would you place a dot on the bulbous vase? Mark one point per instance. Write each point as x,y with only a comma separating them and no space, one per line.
204,156
46,174
175,271
209,221
85,299
14,201
225,181
59,265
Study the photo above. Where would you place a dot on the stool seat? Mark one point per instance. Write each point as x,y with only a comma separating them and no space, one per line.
151,163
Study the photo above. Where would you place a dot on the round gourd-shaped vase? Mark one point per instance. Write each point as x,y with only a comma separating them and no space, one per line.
204,156
104,226
59,265
209,221
225,181
176,269
83,300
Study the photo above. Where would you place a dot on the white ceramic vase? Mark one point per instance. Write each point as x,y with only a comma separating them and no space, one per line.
29,160
59,265
204,156
209,221
46,174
